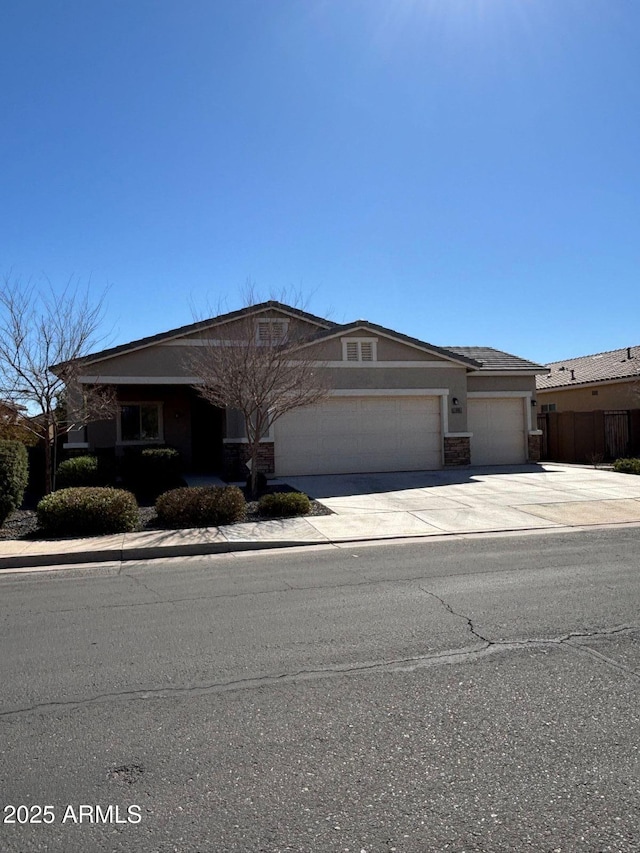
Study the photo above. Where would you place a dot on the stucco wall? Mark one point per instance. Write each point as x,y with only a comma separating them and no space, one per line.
237,329
387,349
158,361
620,395
502,383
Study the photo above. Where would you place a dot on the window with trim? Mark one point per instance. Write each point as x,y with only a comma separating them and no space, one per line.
548,407
359,349
271,331
140,422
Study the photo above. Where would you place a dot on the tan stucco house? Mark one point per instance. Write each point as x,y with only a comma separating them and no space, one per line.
395,403
605,380
589,407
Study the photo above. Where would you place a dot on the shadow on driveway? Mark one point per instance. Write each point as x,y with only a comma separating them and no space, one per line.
344,485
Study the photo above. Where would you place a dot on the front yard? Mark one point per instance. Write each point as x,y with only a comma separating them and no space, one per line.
23,523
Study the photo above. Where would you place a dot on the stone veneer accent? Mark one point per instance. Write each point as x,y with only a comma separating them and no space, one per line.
457,450
235,456
535,445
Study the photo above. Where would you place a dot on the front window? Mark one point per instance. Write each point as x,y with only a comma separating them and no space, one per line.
140,422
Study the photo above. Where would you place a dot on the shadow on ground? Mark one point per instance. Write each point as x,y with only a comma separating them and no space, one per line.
343,485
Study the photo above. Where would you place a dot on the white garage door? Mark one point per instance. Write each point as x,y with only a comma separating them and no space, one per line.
345,435
498,430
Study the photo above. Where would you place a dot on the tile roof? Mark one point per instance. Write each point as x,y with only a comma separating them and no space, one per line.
600,367
478,358
195,327
494,359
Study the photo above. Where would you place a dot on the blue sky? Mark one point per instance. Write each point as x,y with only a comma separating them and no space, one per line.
464,171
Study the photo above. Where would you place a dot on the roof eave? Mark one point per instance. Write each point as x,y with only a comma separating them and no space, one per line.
173,334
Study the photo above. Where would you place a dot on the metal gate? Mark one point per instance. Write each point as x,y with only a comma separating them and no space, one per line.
616,434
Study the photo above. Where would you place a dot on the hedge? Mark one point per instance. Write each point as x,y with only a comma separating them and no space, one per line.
78,471
201,506
87,511
284,504
14,474
152,471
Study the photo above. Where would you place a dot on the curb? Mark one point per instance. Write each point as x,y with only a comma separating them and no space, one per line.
154,552
32,561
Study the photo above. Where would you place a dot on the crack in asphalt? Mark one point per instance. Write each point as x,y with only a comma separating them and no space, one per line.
410,664
453,612
603,658
145,586
564,641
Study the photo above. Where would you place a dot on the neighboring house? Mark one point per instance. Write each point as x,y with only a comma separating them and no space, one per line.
396,403
14,423
589,407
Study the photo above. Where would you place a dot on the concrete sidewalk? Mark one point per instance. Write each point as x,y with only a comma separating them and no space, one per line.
378,507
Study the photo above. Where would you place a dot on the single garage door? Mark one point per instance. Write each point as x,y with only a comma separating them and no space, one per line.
498,428
345,435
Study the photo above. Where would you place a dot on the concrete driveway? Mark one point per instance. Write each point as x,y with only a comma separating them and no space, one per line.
470,500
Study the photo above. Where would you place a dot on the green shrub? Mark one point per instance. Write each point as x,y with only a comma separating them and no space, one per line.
78,471
627,466
284,504
14,473
87,511
152,471
201,506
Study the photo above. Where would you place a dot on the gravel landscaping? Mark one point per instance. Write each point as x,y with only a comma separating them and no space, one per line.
23,523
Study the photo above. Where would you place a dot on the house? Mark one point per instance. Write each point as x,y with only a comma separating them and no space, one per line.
15,423
589,407
606,380
395,402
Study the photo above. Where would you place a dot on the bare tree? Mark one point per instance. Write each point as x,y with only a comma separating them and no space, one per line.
41,334
264,372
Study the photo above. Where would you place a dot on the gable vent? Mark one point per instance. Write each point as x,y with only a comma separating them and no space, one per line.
359,349
367,350
352,351
271,331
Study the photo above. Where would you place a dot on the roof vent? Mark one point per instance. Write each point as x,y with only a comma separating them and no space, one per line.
573,374
562,368
629,352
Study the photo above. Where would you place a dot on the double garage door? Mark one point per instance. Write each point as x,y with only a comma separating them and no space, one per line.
359,434
498,428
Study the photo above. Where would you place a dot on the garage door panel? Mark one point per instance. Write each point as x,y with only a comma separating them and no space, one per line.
498,431
360,434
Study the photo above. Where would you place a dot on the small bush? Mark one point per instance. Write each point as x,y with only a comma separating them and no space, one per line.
152,471
627,466
14,474
201,506
78,471
86,511
284,504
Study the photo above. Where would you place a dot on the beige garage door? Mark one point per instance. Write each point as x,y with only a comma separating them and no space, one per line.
345,435
498,430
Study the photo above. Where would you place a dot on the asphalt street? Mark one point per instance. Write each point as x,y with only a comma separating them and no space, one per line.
474,694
